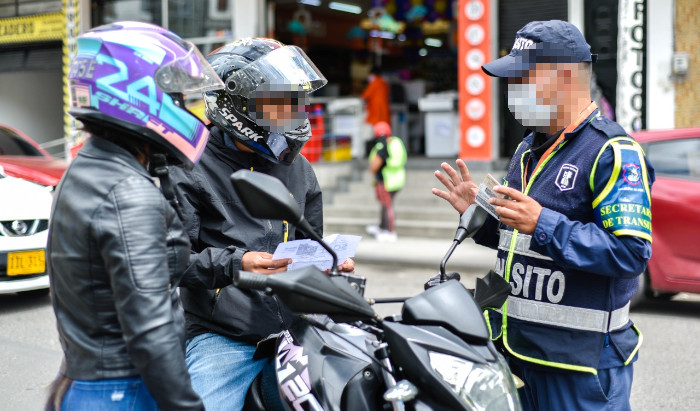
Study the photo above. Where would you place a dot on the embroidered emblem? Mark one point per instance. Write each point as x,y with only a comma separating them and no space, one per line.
566,177
632,174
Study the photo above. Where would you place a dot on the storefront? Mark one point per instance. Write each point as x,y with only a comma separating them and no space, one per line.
430,52
413,43
31,34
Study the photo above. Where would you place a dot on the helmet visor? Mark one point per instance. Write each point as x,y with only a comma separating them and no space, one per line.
190,73
285,66
277,87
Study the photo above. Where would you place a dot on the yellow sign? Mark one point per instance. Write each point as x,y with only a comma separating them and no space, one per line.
41,27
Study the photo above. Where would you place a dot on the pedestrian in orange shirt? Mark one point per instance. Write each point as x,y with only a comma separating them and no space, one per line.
376,95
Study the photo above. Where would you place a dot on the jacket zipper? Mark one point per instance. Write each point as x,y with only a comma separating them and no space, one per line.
274,297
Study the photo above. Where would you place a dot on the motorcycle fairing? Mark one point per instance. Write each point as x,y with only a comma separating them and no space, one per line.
410,346
430,308
292,366
316,368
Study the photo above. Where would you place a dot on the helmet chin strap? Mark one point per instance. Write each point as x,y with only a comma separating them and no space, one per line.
158,167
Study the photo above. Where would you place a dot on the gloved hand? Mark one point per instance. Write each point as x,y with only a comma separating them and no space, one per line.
435,280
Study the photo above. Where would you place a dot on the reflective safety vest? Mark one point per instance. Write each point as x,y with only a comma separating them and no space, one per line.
394,169
557,316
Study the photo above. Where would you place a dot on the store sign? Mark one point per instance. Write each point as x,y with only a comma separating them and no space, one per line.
474,85
42,27
70,20
630,65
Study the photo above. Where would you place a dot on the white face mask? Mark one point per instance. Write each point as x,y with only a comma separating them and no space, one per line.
527,109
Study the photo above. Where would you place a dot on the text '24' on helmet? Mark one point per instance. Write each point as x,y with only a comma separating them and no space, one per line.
256,72
131,77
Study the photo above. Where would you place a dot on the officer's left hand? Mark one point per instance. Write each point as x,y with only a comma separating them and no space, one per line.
519,211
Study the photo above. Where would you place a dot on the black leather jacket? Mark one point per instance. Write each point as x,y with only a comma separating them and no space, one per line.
116,252
221,231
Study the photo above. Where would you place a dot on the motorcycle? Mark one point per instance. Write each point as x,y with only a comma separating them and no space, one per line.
341,355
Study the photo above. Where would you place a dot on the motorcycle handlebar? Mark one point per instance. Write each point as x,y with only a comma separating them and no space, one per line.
252,281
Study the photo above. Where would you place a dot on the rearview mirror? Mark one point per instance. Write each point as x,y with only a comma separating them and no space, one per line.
470,222
308,290
265,196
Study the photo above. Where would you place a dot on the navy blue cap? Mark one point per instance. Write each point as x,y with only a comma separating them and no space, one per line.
552,41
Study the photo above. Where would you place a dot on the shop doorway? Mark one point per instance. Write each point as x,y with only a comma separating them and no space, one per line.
512,16
32,95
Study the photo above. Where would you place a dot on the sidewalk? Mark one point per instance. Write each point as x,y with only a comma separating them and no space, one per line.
426,253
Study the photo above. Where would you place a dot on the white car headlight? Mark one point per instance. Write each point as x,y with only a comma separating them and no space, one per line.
487,387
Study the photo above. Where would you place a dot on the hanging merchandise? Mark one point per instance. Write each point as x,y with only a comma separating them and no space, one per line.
356,37
299,26
417,12
313,148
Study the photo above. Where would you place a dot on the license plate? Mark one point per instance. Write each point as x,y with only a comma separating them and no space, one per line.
26,262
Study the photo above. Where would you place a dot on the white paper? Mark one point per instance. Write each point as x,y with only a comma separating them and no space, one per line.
308,252
485,193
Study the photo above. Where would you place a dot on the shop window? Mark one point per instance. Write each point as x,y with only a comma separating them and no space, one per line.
16,8
678,158
108,11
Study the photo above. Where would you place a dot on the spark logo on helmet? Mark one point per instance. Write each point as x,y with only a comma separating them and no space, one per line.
233,120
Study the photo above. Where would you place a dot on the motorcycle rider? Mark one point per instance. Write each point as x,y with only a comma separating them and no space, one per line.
116,247
573,233
259,122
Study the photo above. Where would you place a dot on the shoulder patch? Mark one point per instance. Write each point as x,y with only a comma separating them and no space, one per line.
632,174
608,127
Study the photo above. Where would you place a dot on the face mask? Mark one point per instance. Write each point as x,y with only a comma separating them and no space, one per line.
523,103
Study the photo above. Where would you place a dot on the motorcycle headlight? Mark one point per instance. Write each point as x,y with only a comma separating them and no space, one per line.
487,387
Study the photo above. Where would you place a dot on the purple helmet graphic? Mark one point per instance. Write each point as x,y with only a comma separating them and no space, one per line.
132,77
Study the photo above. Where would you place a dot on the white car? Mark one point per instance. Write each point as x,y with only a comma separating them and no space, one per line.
24,224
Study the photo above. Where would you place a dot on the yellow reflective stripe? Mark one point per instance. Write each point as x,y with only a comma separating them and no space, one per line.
639,344
635,233
645,177
539,169
522,168
602,150
285,227
562,366
600,153
511,253
488,325
617,165
509,260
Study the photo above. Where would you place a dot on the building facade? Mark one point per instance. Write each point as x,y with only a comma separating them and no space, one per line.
647,71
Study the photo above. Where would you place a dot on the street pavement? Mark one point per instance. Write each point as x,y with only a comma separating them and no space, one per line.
424,253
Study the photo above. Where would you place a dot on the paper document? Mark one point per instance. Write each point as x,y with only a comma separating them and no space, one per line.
486,193
307,252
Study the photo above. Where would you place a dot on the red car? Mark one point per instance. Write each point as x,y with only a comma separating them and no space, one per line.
675,206
22,157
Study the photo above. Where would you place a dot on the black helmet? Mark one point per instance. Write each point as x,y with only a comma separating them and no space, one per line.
259,73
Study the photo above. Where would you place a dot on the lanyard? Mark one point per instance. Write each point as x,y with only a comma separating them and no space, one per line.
545,157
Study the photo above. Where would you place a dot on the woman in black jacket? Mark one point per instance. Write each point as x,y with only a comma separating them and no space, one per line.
116,248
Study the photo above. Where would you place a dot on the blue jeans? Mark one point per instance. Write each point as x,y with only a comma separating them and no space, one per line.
121,394
573,391
221,370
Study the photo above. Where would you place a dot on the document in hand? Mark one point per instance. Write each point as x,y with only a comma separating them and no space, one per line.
307,252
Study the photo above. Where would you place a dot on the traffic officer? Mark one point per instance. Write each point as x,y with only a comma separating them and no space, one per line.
574,230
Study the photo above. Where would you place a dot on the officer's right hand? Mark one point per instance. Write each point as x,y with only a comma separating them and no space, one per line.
262,263
461,190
